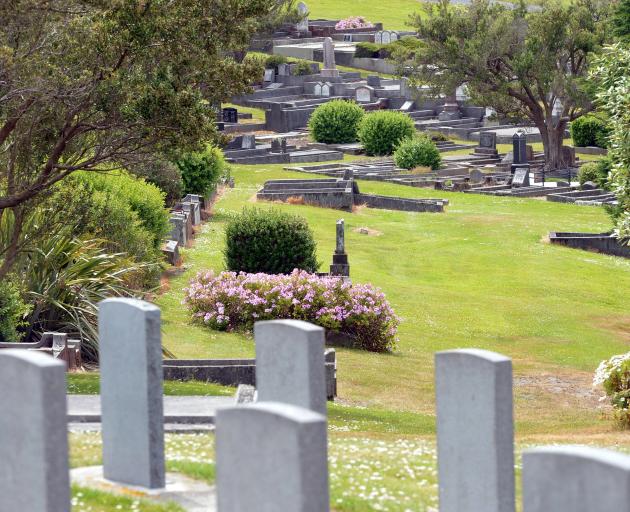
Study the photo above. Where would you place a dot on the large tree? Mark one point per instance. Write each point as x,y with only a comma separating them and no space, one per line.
97,84
525,65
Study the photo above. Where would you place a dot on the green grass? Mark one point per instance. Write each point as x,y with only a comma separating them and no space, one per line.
393,15
478,275
85,499
88,384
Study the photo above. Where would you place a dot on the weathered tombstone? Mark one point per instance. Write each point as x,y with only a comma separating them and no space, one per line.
374,81
170,248
568,156
269,75
387,37
340,266
575,479
34,443
130,352
284,70
302,25
477,176
364,94
271,457
178,228
394,36
407,106
475,434
248,142
275,145
326,90
283,145
290,364
378,37
519,148
318,89
521,177
330,68
230,115
488,140
245,394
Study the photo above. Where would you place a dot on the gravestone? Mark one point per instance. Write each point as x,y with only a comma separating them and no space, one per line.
568,156
521,177
374,81
275,145
318,89
340,266
488,140
330,68
407,106
474,431
271,457
364,94
575,479
519,148
387,37
405,89
283,145
302,25
170,248
378,37
269,75
34,442
284,70
130,353
394,36
326,90
248,141
290,365
230,115
347,38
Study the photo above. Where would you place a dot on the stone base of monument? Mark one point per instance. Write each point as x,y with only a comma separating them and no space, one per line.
191,495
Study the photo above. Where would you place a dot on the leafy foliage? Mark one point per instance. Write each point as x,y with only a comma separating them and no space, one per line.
13,311
273,61
597,172
302,68
269,241
201,171
590,131
231,301
336,122
380,132
416,152
621,21
613,375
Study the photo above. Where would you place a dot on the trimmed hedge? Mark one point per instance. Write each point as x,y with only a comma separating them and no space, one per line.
269,241
417,152
201,171
336,122
590,131
380,132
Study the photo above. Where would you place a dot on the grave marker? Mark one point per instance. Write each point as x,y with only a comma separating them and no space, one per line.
131,392
290,365
318,89
474,431
378,37
34,442
330,68
326,90
364,94
488,140
269,75
521,177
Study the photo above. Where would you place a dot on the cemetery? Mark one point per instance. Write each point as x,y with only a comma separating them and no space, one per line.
221,290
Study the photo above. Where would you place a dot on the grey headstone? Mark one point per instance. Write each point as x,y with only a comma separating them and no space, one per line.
269,75
521,177
378,37
284,70
131,392
34,441
475,432
488,140
245,394
575,479
326,90
275,145
318,89
386,37
364,94
290,363
394,36
271,457
340,245
374,81
249,142
330,68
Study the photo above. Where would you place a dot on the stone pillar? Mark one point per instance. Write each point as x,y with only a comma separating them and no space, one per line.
290,366
330,68
271,457
575,479
340,266
131,392
474,431
34,433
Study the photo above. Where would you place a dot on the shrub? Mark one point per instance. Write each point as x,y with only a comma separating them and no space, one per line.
269,241
593,171
613,375
437,136
201,171
417,151
336,122
380,132
273,61
230,301
353,22
165,175
13,310
589,131
367,50
302,68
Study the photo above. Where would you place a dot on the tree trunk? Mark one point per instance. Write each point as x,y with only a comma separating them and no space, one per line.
552,135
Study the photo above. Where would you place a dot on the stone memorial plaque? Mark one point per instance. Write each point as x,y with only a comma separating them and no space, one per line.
347,38
521,177
407,106
269,74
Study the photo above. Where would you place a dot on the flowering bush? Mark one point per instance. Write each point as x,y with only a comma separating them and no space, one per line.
233,300
353,22
614,376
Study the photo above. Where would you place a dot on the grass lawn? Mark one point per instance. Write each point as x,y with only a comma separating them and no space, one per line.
479,275
393,15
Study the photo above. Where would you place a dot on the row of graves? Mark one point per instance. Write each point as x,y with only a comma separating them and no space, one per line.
271,454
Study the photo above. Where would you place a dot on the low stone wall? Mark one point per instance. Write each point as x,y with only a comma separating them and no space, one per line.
327,198
233,372
596,242
399,203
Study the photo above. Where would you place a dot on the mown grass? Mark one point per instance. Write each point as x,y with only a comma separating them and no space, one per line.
91,500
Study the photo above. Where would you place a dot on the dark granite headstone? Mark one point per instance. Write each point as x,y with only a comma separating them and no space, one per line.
283,145
519,149
230,115
275,145
374,81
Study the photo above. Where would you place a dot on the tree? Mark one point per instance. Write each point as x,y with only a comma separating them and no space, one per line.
525,65
621,21
99,84
611,72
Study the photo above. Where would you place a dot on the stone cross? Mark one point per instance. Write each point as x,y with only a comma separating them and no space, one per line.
34,433
475,432
575,479
340,247
330,68
131,392
271,457
290,366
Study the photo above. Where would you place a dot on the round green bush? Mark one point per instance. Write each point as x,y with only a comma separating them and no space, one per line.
336,122
201,171
597,172
589,131
269,241
302,68
382,131
417,152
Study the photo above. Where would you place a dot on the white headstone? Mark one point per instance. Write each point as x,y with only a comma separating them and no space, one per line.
33,433
394,36
269,75
378,37
290,366
271,457
131,392
575,479
326,90
364,94
474,431
387,37
318,89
